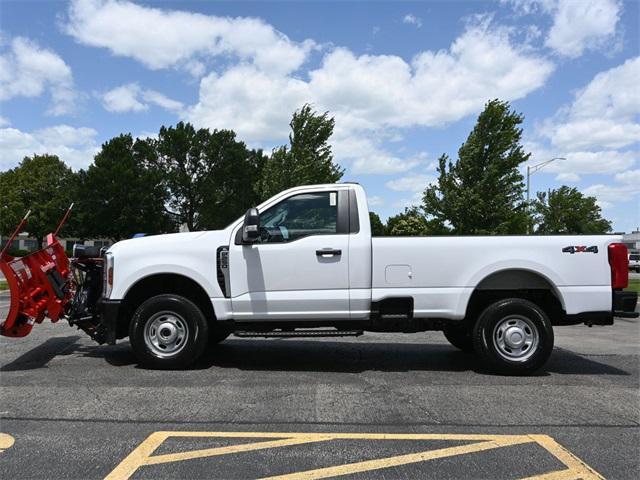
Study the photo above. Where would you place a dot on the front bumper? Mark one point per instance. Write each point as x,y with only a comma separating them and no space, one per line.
624,304
109,310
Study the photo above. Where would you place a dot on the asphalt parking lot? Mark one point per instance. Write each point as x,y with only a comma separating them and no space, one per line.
378,406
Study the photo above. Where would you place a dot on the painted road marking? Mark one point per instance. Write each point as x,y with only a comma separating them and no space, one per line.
142,455
6,441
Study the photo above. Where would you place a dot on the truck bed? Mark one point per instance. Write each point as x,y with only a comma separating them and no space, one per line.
440,273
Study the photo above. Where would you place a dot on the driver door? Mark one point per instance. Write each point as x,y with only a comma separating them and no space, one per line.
299,268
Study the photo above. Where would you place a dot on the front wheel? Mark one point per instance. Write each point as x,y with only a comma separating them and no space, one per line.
513,336
168,332
460,337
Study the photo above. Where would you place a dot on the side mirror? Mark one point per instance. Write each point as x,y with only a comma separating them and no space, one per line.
251,226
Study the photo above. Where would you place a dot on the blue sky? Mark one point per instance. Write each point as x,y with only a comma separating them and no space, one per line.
404,80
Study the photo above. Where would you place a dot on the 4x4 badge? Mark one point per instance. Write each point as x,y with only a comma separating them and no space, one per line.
580,249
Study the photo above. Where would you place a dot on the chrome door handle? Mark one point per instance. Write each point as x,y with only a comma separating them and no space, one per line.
328,252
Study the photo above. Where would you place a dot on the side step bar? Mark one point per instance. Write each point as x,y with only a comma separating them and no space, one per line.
298,333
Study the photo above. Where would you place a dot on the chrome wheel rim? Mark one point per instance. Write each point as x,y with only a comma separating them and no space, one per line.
165,334
515,338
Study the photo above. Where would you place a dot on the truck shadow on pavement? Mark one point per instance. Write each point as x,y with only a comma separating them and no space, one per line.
312,356
41,355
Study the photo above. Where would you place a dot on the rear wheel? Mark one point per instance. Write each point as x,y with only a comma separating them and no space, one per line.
168,331
460,337
513,336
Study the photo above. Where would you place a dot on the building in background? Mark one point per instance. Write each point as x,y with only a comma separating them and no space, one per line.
25,243
632,240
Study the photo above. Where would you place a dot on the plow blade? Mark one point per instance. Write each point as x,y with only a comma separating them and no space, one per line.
39,287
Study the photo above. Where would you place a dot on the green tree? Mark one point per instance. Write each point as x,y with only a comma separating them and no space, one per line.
377,227
180,155
566,210
210,177
42,184
119,195
233,183
308,158
410,223
482,193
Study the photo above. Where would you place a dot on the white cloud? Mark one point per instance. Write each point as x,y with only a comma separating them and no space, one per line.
375,200
414,200
75,146
123,99
160,38
4,121
607,195
568,177
162,101
410,183
605,162
28,70
582,25
131,98
630,177
368,94
603,114
367,156
578,25
411,19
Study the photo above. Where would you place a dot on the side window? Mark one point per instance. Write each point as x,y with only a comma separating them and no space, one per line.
300,216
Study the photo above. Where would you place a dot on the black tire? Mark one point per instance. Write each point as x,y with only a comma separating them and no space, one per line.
460,337
217,334
507,352
175,315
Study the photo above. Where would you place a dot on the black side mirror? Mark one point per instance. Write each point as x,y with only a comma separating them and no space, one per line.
251,226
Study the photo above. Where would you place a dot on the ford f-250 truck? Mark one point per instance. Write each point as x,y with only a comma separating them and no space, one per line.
304,263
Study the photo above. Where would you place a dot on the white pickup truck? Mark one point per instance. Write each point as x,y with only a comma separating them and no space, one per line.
304,263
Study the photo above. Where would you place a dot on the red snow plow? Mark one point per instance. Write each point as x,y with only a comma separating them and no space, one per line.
46,283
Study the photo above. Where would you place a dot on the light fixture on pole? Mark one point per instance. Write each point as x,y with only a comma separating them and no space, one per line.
531,169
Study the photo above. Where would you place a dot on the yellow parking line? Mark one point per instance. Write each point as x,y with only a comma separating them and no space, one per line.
245,447
583,470
6,441
142,455
556,475
396,461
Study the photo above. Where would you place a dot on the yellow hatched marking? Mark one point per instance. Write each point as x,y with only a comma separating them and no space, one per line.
556,475
581,469
245,447
142,455
396,461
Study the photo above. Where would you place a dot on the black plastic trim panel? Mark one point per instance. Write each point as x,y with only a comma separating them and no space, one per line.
354,220
109,310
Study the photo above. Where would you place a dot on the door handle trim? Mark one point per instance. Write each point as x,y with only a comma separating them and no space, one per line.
328,252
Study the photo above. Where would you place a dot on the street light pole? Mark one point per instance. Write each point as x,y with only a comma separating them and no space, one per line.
530,171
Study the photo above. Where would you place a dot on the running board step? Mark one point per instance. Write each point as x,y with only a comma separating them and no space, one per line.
299,333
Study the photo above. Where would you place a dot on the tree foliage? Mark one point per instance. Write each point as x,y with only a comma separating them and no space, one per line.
482,192
377,227
209,176
568,211
233,183
409,223
119,195
307,160
40,184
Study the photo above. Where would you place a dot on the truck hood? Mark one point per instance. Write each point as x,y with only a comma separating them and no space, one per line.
159,241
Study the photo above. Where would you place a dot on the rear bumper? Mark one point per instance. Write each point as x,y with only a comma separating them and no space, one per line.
109,310
624,304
